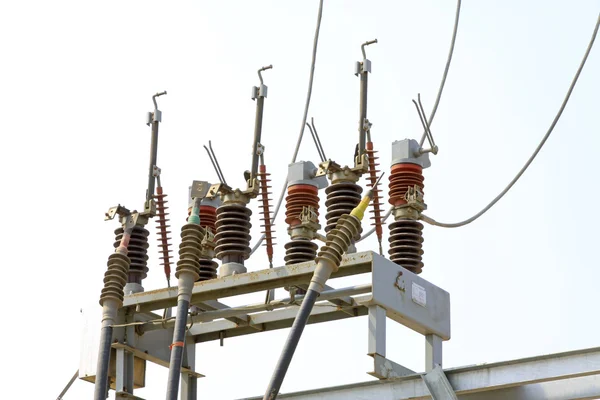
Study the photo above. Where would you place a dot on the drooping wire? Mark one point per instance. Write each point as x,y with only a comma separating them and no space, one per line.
305,115
446,69
437,100
535,153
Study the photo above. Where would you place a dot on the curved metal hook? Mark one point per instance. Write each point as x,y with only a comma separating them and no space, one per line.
261,70
154,98
362,47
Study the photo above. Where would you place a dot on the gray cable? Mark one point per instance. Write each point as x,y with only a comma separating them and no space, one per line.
369,233
446,69
307,104
437,100
535,153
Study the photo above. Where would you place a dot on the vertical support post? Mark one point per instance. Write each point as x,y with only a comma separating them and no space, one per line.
377,319
433,352
129,358
121,371
189,388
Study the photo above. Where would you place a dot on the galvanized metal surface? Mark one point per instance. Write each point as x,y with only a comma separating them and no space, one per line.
570,375
246,283
438,385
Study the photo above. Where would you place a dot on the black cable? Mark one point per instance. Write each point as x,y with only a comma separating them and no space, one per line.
291,344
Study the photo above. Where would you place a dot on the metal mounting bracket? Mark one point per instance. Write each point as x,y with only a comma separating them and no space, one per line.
438,385
387,369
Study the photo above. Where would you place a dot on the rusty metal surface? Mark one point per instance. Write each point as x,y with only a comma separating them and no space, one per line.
234,285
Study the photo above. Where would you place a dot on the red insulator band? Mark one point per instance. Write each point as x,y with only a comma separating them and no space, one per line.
208,217
300,196
402,177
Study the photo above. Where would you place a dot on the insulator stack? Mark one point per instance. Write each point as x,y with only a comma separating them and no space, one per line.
115,277
233,233
406,244
264,180
403,176
300,250
163,234
376,201
208,269
340,238
300,196
189,250
341,199
137,252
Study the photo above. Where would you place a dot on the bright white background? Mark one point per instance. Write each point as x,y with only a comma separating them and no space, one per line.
76,82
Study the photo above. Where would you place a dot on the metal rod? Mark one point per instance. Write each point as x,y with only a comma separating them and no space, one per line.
312,122
364,87
215,164
220,171
153,157
261,70
207,316
362,47
153,149
66,389
312,133
430,135
364,83
260,103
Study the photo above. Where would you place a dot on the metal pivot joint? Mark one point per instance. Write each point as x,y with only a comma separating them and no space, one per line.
153,119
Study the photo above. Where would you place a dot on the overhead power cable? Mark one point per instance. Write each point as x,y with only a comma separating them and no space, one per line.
535,153
437,99
304,116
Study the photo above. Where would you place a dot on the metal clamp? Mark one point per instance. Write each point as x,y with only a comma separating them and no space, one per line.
364,66
260,91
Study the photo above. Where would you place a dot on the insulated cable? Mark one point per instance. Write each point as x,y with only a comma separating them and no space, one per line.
446,69
431,221
307,104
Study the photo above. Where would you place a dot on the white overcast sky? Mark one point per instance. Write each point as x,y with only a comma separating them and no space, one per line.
77,79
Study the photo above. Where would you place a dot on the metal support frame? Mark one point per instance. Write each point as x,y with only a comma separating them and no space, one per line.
388,295
573,375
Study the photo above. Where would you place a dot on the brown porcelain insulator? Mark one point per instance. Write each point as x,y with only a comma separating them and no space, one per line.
406,244
341,199
137,252
233,232
403,176
300,196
